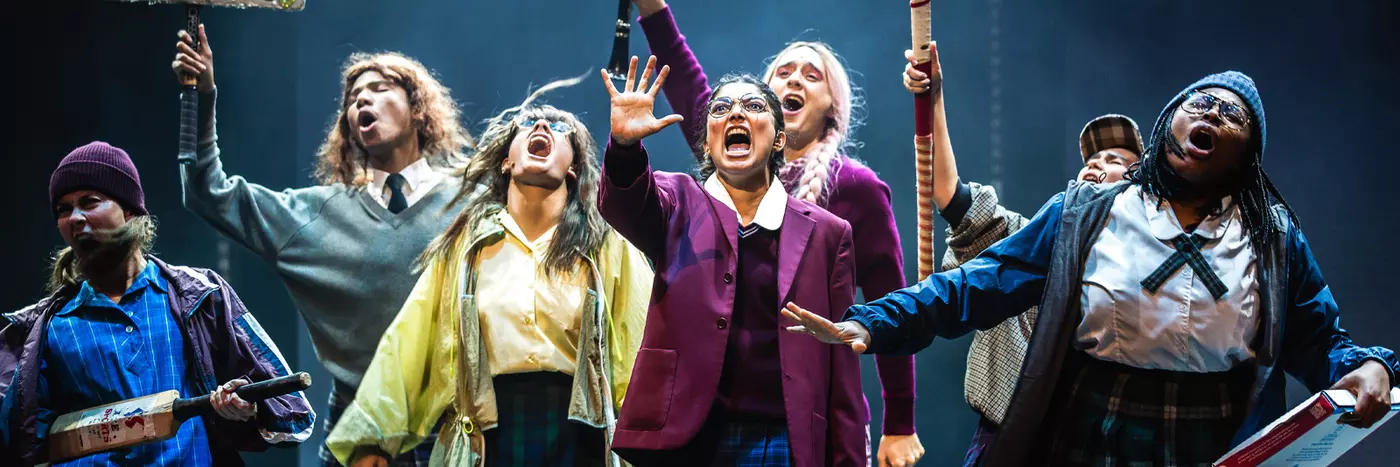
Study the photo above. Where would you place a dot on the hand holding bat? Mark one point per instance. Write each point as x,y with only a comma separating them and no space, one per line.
157,417
919,82
228,405
198,63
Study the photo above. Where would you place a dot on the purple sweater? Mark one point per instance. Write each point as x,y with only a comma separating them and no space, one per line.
856,195
752,383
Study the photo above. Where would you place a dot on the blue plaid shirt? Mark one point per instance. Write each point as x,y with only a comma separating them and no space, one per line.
100,352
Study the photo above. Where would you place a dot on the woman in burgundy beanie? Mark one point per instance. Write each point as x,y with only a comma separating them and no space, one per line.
102,167
181,328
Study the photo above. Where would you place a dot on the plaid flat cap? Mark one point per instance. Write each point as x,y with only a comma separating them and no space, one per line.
1107,132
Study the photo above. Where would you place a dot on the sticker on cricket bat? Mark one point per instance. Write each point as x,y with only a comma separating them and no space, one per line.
285,5
117,424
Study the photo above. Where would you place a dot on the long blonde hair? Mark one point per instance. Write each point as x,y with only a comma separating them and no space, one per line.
809,178
581,229
139,234
441,138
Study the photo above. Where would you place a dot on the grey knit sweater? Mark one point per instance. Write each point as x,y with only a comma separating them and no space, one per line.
346,260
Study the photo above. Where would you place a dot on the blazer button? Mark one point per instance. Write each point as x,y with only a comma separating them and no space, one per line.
721,323
728,278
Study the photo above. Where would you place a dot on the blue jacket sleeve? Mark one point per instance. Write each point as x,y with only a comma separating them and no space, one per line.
1315,348
1002,282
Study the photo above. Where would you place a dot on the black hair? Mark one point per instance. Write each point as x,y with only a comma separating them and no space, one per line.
1249,186
776,159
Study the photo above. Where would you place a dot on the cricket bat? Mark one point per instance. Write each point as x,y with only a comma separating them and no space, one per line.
148,419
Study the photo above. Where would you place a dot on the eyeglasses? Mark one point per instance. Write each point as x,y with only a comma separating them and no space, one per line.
555,126
751,103
1199,102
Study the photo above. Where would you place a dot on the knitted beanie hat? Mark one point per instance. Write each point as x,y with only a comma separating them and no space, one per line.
102,167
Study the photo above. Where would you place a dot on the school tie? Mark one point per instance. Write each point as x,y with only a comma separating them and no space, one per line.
1188,252
397,201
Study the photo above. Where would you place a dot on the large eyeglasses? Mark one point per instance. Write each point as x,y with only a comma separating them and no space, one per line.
555,126
1199,102
751,103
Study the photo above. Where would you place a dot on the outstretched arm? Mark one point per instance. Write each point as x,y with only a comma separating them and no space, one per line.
1002,282
629,197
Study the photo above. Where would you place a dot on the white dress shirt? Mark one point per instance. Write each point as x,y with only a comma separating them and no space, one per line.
419,179
1181,327
771,208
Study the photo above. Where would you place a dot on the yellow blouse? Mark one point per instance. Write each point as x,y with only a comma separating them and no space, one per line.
530,321
413,378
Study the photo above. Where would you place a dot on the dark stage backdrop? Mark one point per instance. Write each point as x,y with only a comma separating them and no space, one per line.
1022,78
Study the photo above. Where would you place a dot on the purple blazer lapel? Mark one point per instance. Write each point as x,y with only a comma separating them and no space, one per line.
792,243
728,223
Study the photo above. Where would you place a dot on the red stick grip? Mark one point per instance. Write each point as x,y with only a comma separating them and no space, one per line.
923,103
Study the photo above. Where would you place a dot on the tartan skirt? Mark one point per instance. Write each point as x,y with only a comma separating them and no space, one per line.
753,444
723,442
1111,414
534,428
418,457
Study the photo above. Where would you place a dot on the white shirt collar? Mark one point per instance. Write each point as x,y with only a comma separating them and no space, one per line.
1162,221
771,208
419,179
414,176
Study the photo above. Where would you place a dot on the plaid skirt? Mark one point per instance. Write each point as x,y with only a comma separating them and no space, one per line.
1116,415
534,427
418,457
723,442
754,444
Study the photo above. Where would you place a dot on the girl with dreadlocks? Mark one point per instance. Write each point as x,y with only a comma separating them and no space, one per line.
819,107
526,319
716,382
1166,304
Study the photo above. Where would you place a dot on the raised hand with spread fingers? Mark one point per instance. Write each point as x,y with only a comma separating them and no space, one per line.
631,115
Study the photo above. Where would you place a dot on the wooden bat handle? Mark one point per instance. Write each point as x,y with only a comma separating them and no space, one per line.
920,34
252,392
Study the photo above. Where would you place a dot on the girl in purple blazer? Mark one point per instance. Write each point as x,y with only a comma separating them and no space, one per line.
819,110
716,382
